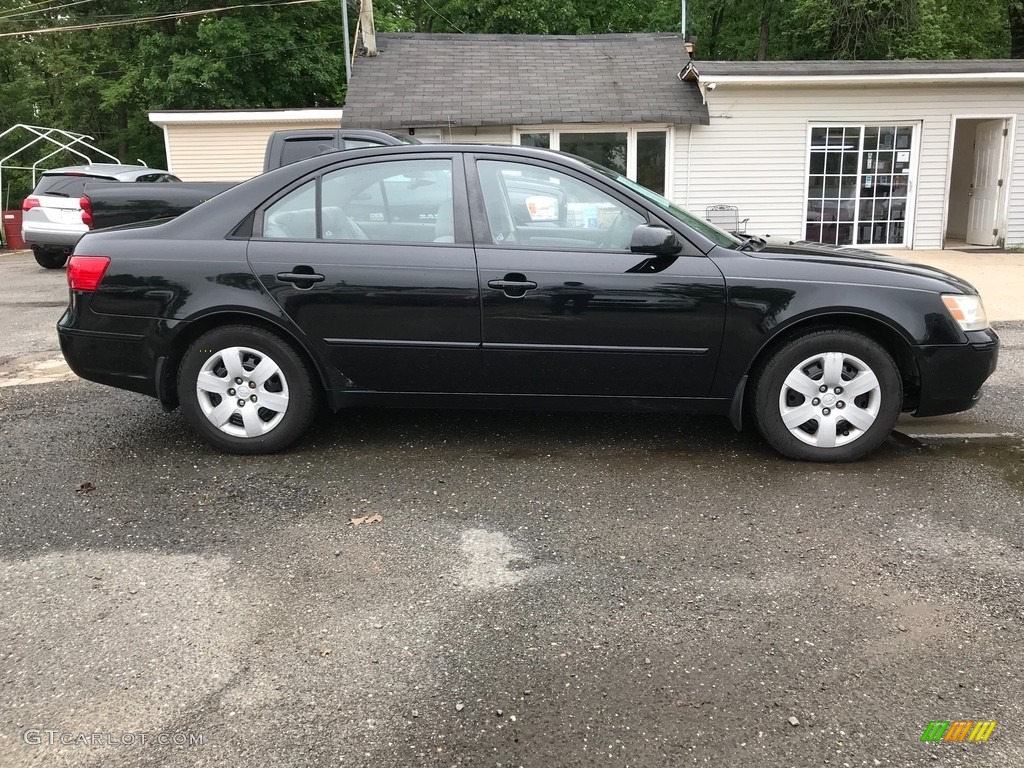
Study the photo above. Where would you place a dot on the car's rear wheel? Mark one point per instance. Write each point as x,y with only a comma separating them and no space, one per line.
50,259
829,395
246,390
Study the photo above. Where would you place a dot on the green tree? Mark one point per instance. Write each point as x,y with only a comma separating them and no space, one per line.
104,81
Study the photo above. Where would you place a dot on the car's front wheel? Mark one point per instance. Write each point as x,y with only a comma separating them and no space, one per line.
245,390
829,395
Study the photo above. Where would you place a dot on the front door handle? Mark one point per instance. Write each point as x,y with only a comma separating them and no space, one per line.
513,284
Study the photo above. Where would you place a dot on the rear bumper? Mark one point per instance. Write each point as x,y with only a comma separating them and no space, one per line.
122,360
58,236
952,375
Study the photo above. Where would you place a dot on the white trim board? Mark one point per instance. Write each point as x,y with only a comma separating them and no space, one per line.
164,119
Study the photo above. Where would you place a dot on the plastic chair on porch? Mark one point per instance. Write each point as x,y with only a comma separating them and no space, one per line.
727,217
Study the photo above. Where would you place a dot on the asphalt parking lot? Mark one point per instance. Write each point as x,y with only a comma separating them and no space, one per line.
522,589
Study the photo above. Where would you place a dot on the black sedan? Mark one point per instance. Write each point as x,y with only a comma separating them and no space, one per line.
471,276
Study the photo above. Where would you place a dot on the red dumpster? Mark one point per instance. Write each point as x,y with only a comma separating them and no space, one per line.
12,230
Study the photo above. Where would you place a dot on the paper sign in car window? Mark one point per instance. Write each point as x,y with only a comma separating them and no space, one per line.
542,208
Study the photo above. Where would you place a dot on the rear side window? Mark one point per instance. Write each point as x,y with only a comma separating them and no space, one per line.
397,201
301,147
65,186
293,217
390,201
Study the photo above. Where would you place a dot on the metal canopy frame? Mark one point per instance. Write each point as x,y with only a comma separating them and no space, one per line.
65,141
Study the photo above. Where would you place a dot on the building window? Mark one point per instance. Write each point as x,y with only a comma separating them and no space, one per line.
541,139
607,149
640,154
858,184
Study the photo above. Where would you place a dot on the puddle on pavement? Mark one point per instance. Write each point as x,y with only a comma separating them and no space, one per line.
1002,454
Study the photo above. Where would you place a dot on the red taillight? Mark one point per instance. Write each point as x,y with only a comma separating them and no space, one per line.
86,272
30,203
86,205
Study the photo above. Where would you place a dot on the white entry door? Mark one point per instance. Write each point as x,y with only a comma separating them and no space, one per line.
983,210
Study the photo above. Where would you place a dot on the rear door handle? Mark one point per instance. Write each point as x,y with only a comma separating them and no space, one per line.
300,277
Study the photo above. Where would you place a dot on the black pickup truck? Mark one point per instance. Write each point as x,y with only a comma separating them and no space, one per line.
111,204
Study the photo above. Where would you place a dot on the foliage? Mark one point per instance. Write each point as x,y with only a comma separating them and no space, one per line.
104,82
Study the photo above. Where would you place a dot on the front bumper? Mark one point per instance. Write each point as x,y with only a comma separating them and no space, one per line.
952,375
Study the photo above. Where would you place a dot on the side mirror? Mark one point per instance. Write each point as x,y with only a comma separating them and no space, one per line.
654,241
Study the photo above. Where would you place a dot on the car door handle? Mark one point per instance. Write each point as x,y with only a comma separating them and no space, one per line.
514,284
300,277
503,285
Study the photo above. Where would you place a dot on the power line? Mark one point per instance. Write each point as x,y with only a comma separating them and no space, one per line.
149,19
445,18
42,10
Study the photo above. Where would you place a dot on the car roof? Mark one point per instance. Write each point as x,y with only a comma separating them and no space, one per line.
513,150
103,169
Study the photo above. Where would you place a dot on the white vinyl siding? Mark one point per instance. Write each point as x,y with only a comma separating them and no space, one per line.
754,153
223,151
1015,185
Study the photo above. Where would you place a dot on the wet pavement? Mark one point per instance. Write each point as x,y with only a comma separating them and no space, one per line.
540,589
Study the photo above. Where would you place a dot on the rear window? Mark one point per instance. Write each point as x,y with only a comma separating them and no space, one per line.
65,185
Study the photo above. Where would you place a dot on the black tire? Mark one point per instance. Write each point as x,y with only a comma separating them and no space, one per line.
281,407
841,357
50,259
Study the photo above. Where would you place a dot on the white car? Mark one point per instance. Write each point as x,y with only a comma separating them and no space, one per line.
52,215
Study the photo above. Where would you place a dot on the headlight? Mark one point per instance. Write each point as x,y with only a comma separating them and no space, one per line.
967,310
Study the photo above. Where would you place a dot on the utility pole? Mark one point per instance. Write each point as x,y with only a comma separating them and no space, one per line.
348,53
683,14
369,30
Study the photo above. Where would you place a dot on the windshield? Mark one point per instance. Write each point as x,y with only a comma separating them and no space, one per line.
705,227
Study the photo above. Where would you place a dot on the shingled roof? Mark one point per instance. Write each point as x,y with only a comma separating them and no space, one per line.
420,80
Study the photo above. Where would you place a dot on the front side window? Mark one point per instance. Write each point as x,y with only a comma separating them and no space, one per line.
531,206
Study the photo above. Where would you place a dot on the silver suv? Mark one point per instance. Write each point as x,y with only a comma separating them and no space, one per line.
52,216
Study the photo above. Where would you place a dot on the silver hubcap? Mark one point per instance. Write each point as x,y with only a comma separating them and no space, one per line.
830,400
242,391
